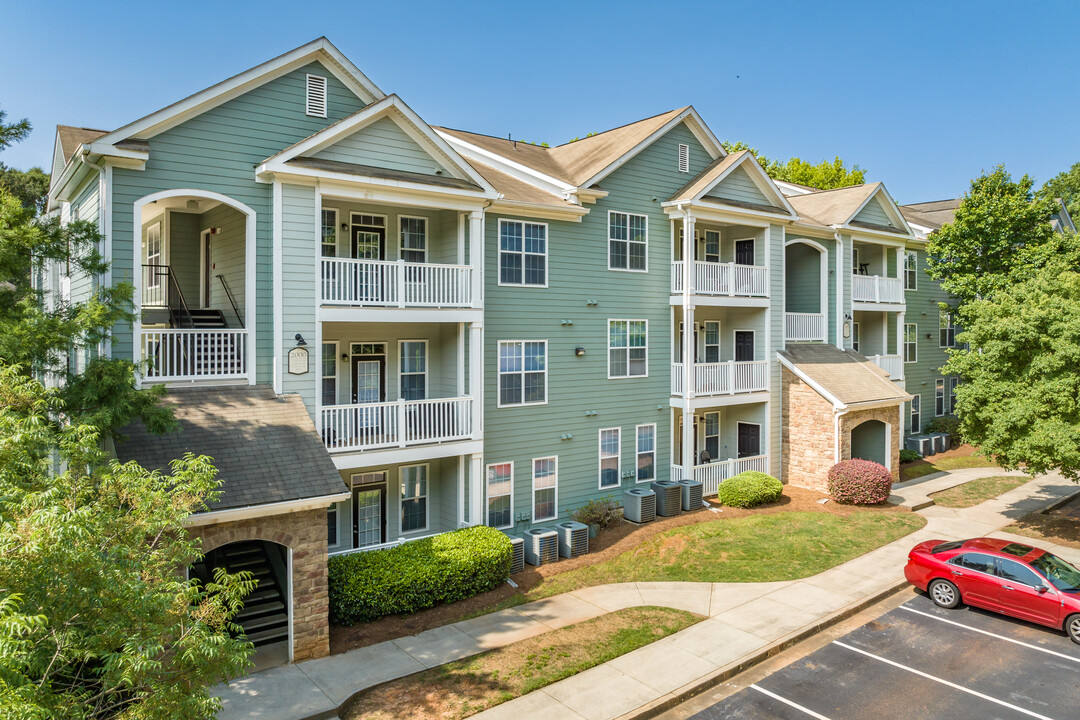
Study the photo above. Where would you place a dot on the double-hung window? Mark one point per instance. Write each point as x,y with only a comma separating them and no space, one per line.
628,241
628,342
712,435
911,342
911,270
855,337
545,488
332,525
916,415
500,484
413,369
329,233
522,253
946,330
950,394
646,452
413,239
522,372
610,457
329,373
712,342
939,397
414,492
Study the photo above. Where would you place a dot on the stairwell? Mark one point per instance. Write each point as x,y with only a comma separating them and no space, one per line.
264,618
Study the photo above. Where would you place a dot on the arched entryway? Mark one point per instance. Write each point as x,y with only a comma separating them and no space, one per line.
806,291
870,441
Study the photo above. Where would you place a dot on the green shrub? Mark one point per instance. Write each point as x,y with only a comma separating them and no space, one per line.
601,512
364,586
750,488
949,425
859,482
909,455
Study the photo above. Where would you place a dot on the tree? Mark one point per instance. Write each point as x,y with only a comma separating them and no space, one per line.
826,175
13,133
1065,185
30,187
996,234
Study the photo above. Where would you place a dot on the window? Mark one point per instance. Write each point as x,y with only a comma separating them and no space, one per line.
628,240
522,372
712,342
911,270
316,96
916,416
855,260
950,396
500,484
329,373
939,397
329,233
610,457
153,252
946,330
911,342
684,158
413,239
646,452
855,336
332,525
522,253
413,369
712,437
1018,572
545,488
414,489
712,246
628,348
976,561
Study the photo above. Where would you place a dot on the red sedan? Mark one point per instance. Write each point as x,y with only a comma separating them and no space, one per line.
1006,577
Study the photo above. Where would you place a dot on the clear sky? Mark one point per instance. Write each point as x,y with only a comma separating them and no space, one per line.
923,95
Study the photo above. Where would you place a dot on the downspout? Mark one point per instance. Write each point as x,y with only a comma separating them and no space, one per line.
841,308
837,414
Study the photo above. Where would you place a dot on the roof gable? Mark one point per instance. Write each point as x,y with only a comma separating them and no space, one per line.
875,213
736,180
383,143
843,377
737,185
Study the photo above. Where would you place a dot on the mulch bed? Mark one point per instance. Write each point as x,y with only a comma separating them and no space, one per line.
617,539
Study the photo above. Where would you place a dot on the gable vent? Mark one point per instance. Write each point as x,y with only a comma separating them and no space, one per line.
684,158
316,96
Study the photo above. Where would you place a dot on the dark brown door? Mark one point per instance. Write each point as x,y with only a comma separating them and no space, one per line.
368,242
744,252
749,440
368,378
744,346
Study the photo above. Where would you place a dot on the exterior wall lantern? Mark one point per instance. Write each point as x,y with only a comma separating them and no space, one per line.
579,352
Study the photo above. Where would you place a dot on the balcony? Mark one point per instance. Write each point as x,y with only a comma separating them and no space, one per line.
710,475
892,364
804,327
876,289
723,378
178,355
399,284
404,423
711,278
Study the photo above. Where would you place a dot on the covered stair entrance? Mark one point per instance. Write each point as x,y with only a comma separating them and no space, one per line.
265,617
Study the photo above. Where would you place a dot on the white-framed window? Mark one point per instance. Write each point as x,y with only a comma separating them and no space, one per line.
329,232
522,372
316,96
413,238
523,253
500,495
946,330
610,458
413,365
911,342
911,270
855,336
950,393
414,494
712,246
939,397
712,435
545,477
628,348
916,415
712,341
329,373
332,537
855,261
684,158
154,252
646,452
628,241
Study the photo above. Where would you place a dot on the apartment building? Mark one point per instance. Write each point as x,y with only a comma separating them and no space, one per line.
382,330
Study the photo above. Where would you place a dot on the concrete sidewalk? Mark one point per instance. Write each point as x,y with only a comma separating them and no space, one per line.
746,622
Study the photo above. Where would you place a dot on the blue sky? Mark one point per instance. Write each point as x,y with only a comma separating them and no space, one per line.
924,96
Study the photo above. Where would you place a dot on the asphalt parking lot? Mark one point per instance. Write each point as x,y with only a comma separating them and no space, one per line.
919,661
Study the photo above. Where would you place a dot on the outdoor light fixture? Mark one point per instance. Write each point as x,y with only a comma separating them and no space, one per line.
579,351
300,339
345,227
344,357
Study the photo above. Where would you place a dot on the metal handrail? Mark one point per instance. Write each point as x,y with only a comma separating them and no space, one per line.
228,293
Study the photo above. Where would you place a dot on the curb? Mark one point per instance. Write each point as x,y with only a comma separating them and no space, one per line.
677,697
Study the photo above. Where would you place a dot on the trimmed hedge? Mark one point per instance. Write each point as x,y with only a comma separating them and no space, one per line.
859,482
750,488
442,569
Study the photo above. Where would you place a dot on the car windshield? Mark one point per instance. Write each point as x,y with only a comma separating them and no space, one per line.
1060,573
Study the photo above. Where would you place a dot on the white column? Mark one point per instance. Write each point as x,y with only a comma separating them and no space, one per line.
477,513
476,376
461,238
900,342
884,333
476,256
463,468
688,246
460,359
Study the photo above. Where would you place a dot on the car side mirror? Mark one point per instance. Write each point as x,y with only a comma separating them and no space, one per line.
1041,589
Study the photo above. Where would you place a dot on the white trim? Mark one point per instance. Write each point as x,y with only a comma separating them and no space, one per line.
904,269
627,241
939,383
278,299
518,171
401,236
205,284
290,611
600,459
255,511
487,496
499,373
353,225
761,181
523,253
337,375
760,436
607,345
916,399
337,231
333,507
400,360
915,359
555,488
654,452
837,405
426,496
889,207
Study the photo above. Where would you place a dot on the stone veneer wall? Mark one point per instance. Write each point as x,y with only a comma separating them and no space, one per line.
305,533
807,445
888,415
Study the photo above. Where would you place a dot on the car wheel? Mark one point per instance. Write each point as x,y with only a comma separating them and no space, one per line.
1072,626
945,595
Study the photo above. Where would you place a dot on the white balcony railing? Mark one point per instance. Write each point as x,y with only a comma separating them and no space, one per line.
395,284
723,378
804,327
710,475
177,355
876,289
402,423
892,364
723,279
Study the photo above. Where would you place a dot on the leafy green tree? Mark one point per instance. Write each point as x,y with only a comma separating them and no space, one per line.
30,187
96,620
825,175
13,133
1065,185
997,232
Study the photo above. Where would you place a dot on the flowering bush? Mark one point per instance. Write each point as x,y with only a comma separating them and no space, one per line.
859,482
750,488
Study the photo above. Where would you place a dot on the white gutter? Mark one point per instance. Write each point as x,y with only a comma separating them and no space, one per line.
254,511
836,431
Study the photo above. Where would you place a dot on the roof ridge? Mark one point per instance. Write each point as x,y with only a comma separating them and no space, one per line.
620,127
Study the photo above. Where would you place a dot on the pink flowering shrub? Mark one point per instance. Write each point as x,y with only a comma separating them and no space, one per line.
859,482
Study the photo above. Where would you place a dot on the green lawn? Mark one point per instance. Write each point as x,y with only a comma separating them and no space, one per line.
755,548
977,491
919,468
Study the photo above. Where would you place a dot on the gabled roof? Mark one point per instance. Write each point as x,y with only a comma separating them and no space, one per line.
714,174
932,214
71,137
843,377
519,191
839,208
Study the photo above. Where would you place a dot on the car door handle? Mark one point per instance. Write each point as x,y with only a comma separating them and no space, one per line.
957,573
1006,587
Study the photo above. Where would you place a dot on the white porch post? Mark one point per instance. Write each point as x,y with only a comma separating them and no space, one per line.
688,246
463,468
476,491
476,256
900,343
476,377
461,359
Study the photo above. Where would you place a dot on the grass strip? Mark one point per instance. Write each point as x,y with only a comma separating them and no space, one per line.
977,491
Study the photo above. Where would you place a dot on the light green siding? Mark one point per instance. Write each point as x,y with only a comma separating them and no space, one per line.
382,144
227,259
775,342
874,213
739,186
298,286
803,267
86,207
922,310
442,229
183,254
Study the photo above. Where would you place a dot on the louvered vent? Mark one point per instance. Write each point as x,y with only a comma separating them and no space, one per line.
684,158
316,96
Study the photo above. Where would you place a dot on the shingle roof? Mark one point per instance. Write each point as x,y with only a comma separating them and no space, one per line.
517,190
706,176
832,207
847,376
71,137
265,446
935,213
348,168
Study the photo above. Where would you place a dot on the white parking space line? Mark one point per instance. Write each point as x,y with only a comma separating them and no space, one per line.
961,688
798,707
993,635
